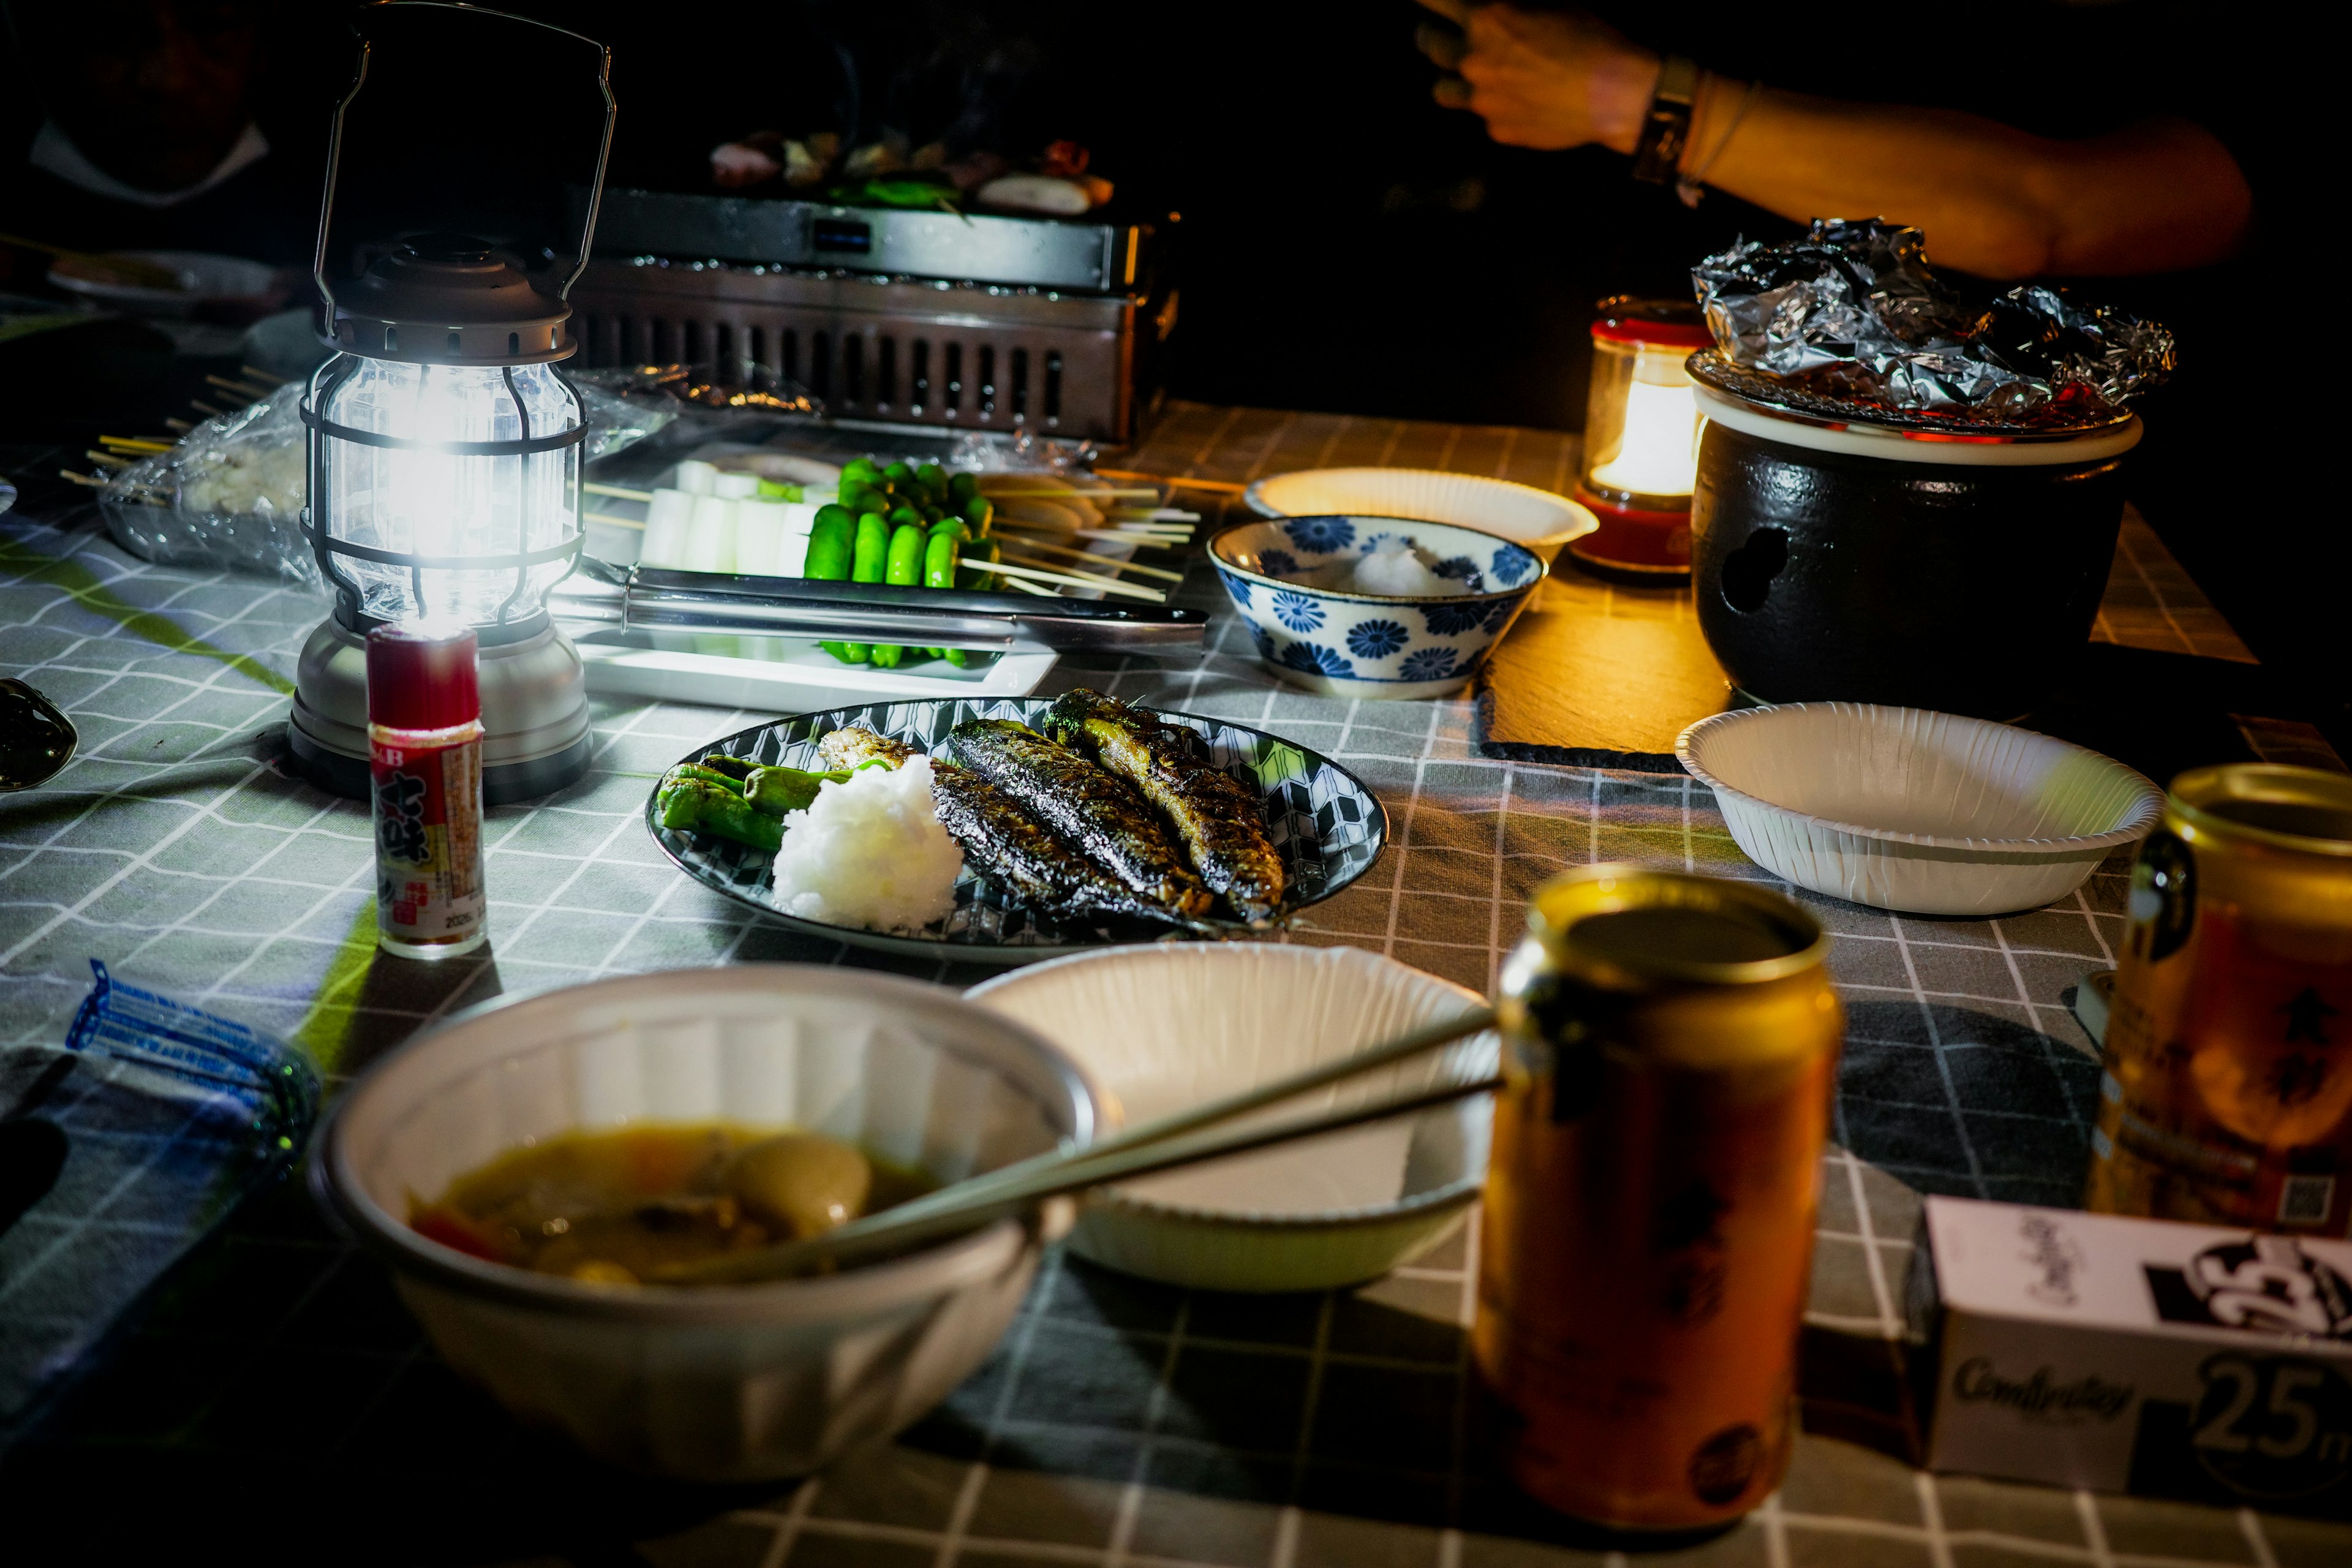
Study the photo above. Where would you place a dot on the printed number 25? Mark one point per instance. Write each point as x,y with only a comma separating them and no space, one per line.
2290,1381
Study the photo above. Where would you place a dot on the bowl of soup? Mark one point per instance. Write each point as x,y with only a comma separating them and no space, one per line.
540,1174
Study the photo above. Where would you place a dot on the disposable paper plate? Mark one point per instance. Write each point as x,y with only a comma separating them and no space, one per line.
1163,1028
1539,520
1925,813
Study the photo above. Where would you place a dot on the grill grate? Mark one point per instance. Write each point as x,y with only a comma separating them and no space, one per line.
907,351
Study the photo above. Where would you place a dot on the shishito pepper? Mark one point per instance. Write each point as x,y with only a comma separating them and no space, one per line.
776,791
979,513
904,567
692,805
940,556
832,538
978,556
707,775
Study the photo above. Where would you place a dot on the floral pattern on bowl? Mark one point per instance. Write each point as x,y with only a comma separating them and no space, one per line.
1346,644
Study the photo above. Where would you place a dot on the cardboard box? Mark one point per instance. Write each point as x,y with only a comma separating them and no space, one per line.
2131,1355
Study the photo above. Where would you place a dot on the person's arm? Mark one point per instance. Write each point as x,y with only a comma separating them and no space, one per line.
2155,196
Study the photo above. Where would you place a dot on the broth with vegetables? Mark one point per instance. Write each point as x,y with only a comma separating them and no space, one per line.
621,1207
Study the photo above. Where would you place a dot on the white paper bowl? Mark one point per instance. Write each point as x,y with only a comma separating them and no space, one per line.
1162,1028
724,1383
1924,812
1539,520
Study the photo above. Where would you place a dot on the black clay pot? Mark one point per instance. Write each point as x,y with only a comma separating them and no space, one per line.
1960,577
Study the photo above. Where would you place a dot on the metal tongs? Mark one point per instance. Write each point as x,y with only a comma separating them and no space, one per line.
1185,1137
603,596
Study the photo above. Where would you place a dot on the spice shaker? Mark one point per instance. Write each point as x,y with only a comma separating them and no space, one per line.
424,745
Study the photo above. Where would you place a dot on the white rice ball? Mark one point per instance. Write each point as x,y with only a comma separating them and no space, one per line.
1395,568
871,853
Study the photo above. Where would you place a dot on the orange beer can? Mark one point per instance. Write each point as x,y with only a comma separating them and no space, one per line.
2227,1097
1671,1047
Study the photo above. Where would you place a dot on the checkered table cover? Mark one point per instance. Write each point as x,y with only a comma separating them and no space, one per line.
1120,1423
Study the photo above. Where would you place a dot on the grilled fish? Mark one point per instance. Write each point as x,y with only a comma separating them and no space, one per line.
1217,820
1009,849
1096,813
846,748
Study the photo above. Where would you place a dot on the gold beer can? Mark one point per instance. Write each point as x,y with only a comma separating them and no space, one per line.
1671,1047
2227,1097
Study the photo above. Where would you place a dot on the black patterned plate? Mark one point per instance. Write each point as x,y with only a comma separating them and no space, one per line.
1322,820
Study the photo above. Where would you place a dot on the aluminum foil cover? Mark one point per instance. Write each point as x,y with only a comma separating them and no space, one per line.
1854,310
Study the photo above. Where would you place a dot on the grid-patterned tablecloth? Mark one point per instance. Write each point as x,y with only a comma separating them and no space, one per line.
278,1395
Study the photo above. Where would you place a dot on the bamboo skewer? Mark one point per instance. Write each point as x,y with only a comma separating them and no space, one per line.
242,388
182,425
1066,490
136,443
617,494
1217,487
1156,540
1081,579
201,407
250,374
109,458
1031,588
615,521
1104,562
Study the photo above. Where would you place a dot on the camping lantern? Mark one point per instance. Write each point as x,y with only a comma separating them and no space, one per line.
445,457
1641,436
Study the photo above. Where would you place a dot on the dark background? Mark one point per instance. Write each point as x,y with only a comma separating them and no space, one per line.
1346,245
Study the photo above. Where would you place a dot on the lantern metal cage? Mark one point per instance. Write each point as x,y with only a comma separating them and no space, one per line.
445,445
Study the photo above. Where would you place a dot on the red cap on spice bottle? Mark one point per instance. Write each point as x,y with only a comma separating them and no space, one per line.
421,677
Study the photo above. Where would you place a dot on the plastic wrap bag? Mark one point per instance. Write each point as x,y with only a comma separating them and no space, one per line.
231,493
1852,312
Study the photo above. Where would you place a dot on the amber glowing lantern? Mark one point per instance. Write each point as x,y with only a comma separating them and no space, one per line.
1641,436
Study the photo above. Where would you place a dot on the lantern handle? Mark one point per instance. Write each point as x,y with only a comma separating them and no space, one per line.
318,271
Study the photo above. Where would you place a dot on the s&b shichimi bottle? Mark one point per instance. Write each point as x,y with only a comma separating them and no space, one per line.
424,740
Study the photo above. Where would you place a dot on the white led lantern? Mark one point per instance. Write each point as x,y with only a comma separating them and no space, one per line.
445,445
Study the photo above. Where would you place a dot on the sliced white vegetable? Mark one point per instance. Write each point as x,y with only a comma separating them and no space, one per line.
761,532
710,537
696,477
666,517
735,486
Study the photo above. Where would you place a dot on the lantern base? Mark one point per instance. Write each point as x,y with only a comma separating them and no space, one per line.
1654,545
534,712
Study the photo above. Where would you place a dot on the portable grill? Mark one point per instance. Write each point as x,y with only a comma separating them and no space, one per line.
935,319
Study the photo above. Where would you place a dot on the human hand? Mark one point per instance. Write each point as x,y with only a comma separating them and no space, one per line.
1541,79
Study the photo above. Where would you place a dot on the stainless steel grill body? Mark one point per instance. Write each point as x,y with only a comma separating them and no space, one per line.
909,351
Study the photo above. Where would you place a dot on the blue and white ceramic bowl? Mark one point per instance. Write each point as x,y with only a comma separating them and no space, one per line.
1345,644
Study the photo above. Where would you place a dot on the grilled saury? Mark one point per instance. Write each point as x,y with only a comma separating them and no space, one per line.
1216,819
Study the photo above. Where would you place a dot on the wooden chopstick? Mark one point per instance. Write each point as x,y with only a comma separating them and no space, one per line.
1182,1139
128,269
